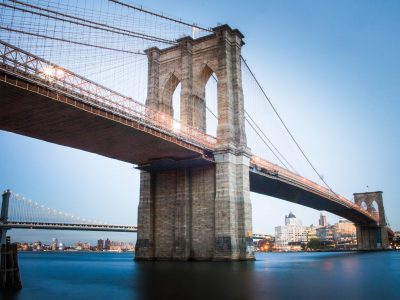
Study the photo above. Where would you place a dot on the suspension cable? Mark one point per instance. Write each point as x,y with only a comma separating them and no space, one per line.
90,22
262,132
284,125
141,9
265,143
97,27
71,42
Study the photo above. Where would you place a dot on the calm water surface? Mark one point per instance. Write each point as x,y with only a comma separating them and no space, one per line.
272,276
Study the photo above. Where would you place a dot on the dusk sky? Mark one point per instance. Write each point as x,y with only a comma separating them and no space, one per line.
330,68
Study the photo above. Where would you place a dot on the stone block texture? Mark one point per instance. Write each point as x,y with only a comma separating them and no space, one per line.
199,213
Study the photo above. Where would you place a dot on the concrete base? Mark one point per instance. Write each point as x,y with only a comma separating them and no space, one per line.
372,238
200,213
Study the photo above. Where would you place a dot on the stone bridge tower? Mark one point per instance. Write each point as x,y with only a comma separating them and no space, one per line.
372,237
199,212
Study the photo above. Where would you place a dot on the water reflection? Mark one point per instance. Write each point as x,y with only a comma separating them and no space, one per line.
273,276
196,280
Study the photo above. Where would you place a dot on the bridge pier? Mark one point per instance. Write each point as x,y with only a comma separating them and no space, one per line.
372,237
9,270
196,213
4,215
199,212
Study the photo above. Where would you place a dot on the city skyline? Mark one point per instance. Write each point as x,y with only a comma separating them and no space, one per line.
331,70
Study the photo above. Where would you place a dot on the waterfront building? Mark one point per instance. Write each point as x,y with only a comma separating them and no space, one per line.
54,244
266,244
311,233
345,234
345,228
325,234
396,240
100,245
107,244
61,247
292,232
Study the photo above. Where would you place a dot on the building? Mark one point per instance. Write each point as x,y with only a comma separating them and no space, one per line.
292,233
265,244
107,244
311,232
325,234
396,240
322,220
100,245
61,247
345,234
345,228
54,244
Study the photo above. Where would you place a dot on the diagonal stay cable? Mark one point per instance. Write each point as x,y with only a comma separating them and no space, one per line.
262,139
272,144
284,125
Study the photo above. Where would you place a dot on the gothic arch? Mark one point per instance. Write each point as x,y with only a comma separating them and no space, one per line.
363,205
373,202
192,61
167,92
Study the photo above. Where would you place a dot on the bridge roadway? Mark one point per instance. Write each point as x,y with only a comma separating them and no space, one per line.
62,110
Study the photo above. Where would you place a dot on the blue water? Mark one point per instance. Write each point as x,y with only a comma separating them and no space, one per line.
272,276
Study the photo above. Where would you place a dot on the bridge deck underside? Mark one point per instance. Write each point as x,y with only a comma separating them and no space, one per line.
86,128
274,187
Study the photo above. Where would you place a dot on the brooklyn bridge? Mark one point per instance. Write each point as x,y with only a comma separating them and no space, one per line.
194,187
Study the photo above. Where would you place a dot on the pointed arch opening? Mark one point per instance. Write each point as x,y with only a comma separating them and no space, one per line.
375,209
168,104
176,102
363,205
212,105
209,84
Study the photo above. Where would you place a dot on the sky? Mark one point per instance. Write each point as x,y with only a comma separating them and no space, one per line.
332,72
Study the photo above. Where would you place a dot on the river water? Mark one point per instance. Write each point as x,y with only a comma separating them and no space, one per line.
272,276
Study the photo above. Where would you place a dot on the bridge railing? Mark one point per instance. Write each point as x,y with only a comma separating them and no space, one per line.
60,79
278,171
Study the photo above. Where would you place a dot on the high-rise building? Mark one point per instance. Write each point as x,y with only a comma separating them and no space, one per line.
61,247
54,244
100,245
107,244
293,231
322,220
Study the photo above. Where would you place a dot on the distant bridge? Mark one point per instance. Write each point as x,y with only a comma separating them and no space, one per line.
14,210
66,226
